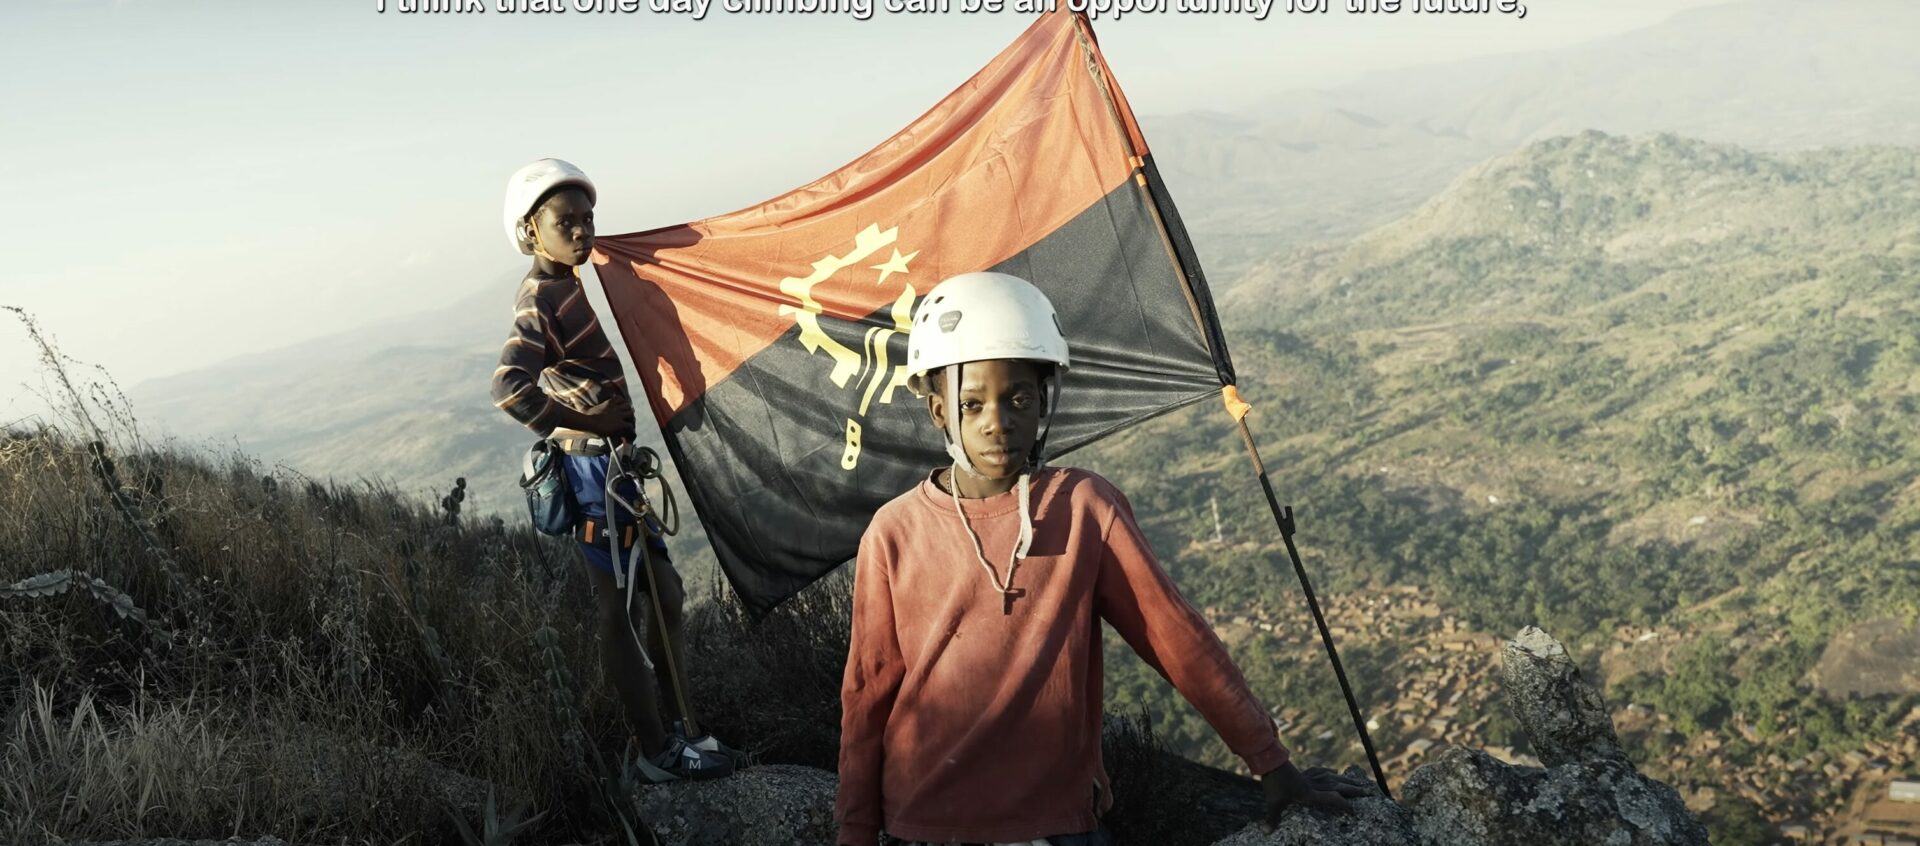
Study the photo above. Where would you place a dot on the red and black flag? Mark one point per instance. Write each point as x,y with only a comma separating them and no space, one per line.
772,341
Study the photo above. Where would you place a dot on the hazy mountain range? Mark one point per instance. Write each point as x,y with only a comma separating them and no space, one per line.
1330,163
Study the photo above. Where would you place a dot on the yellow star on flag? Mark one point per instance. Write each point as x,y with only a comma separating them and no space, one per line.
897,264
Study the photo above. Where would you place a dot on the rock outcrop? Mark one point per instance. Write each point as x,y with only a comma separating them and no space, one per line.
768,805
1469,798
1589,794
1374,822
1559,711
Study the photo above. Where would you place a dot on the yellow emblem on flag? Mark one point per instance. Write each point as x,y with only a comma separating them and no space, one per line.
871,364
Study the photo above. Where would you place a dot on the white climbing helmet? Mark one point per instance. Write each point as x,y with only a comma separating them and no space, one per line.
527,185
983,316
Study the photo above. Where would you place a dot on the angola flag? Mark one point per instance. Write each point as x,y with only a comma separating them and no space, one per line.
772,341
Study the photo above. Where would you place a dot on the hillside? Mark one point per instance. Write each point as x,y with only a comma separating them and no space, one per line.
1654,391
1771,74
404,401
403,398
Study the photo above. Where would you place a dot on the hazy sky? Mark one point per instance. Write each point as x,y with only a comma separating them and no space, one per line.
191,180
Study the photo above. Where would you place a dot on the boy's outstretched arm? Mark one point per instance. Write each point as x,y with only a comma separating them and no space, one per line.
1140,600
874,671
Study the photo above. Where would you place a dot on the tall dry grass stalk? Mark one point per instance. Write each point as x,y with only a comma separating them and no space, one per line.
147,765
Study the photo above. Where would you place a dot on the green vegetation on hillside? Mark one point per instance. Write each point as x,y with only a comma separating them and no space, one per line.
1601,383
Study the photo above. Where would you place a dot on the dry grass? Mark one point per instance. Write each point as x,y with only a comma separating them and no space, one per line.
164,766
248,614
200,647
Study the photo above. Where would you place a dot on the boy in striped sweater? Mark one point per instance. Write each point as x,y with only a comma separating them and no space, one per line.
558,376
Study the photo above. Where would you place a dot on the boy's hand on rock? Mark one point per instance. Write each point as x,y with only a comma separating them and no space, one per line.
1318,788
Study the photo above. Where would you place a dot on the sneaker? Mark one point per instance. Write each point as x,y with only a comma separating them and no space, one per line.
681,760
708,743
640,770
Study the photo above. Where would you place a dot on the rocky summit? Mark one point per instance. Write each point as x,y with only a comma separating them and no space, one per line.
770,805
1588,794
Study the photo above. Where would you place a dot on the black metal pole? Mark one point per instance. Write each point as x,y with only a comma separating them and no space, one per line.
1283,517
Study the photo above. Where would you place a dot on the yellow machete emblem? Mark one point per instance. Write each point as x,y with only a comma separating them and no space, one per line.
869,365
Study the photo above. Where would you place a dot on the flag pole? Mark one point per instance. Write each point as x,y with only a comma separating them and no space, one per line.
1283,517
1173,235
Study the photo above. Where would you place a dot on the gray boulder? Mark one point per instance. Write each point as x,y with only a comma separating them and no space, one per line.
767,805
1561,713
1589,794
1468,798
1374,822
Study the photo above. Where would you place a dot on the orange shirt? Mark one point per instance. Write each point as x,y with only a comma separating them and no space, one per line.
963,723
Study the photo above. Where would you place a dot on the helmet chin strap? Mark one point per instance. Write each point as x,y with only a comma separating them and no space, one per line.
954,450
533,236
1038,459
539,249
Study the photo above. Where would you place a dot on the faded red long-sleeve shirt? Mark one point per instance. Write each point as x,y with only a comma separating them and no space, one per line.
962,723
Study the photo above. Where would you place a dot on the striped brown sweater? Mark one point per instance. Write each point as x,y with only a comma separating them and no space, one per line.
556,354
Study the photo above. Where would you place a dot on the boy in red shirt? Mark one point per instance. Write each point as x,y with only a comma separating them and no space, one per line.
971,703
